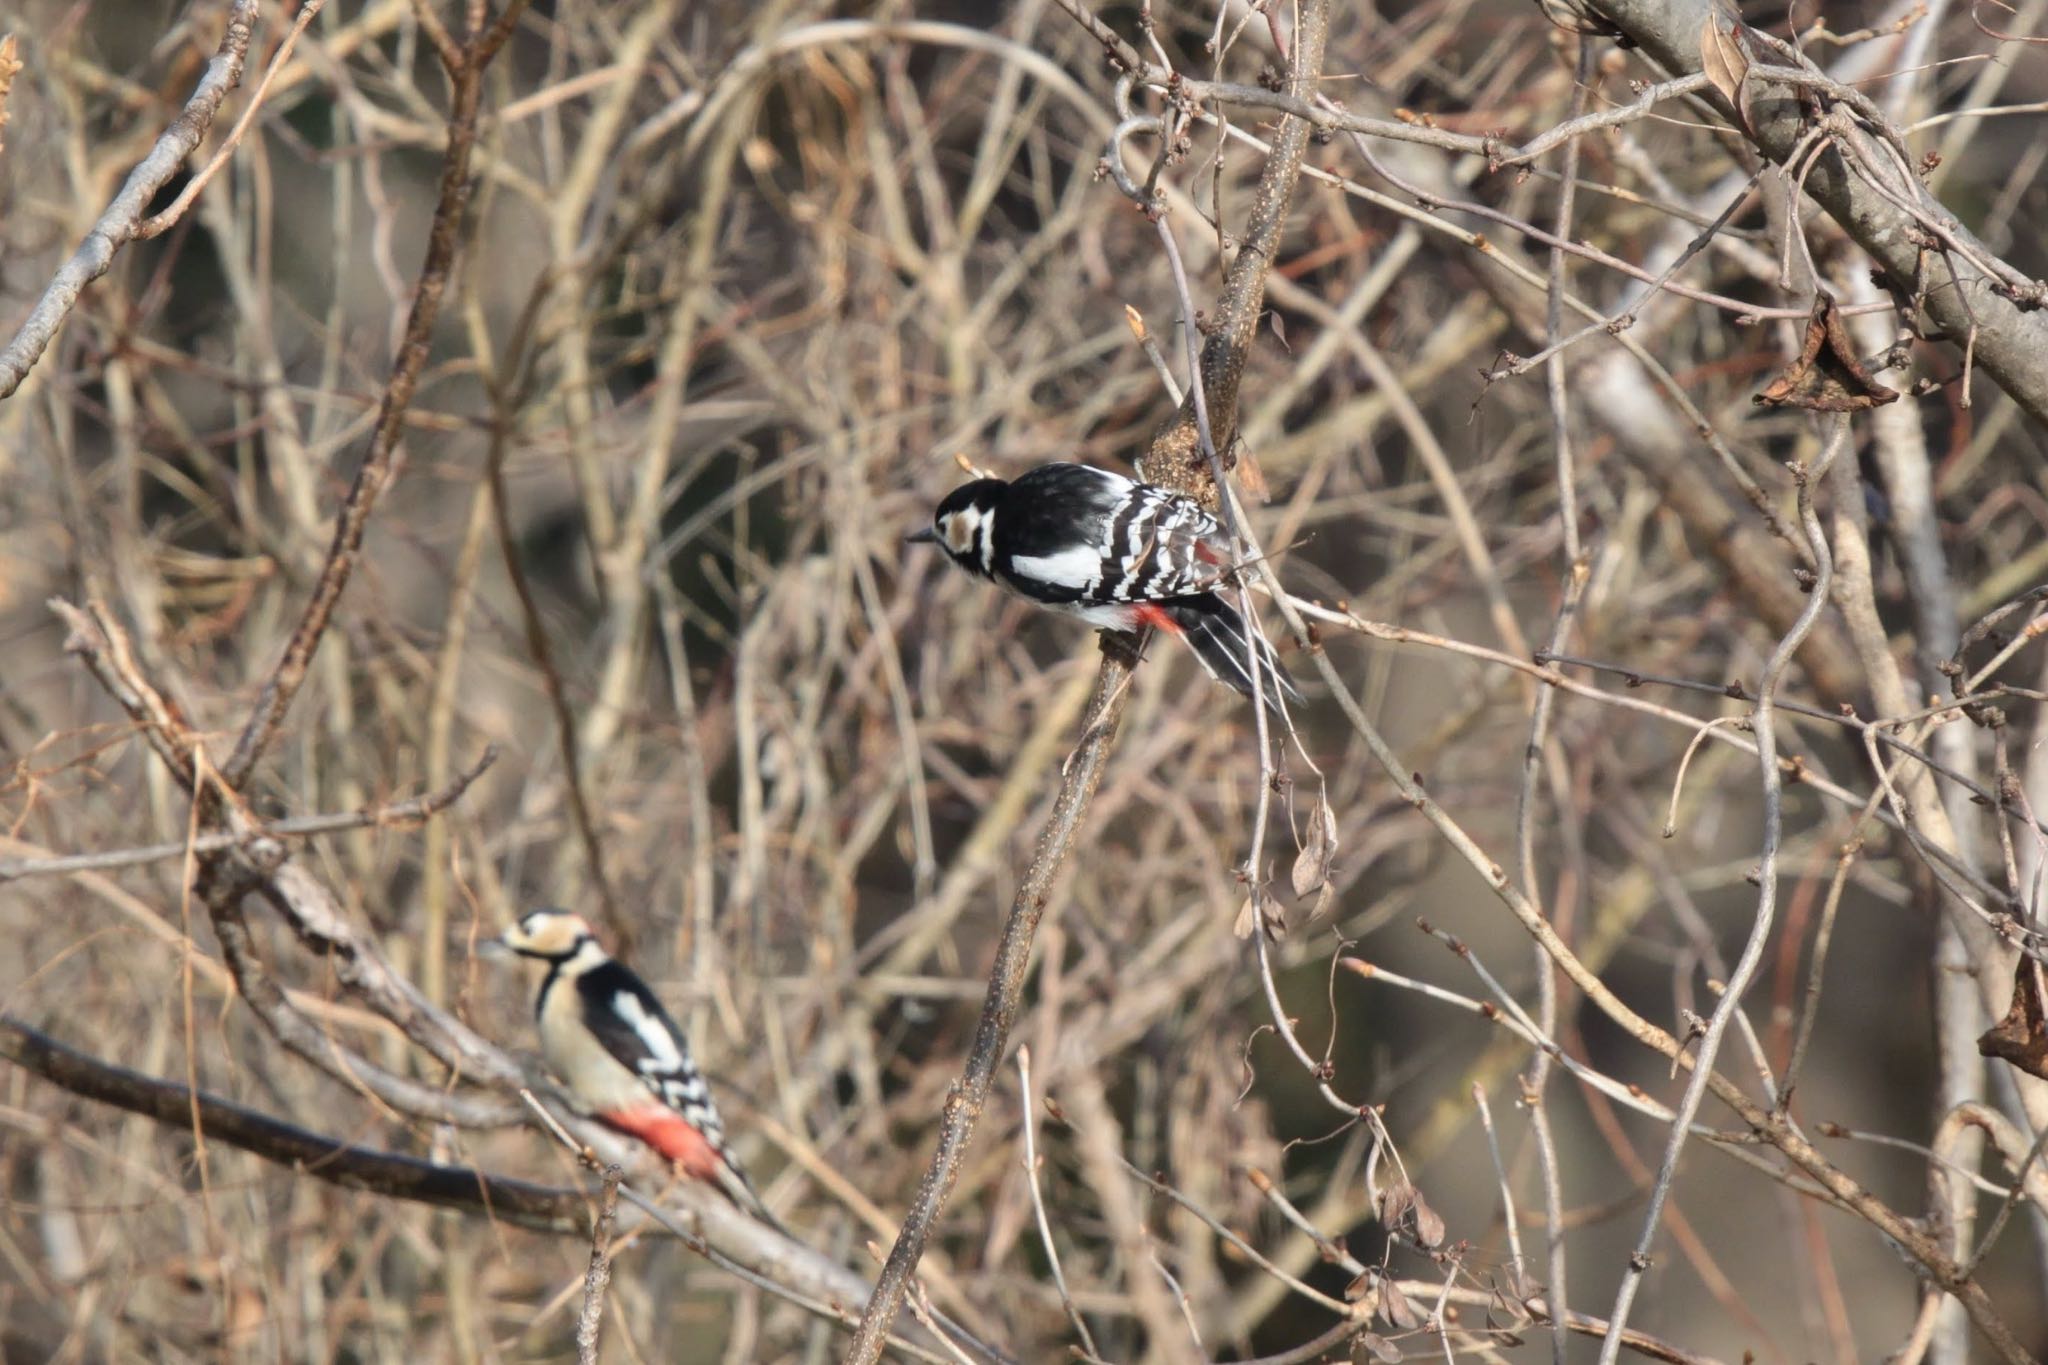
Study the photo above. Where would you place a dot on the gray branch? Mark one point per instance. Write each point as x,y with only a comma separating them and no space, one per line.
116,227
1905,228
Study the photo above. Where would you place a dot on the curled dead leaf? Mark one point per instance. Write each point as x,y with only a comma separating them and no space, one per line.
1827,376
2021,1038
1379,1348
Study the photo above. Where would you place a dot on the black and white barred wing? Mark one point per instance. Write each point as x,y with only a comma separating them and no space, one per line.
1165,546
1090,536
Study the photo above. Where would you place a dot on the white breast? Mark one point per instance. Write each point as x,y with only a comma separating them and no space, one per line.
579,1060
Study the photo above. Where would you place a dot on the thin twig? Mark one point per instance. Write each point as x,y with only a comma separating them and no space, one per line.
393,813
969,1095
375,474
1763,727
158,223
1052,1254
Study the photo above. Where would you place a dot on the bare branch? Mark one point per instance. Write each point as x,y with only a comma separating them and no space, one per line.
117,226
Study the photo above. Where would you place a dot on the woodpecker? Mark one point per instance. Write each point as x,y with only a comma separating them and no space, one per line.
1119,554
615,1049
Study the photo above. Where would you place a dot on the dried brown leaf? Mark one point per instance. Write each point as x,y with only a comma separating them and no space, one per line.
1395,1202
1724,58
1394,1306
2021,1038
1247,917
1251,478
1405,1213
1429,1224
1312,864
1379,1348
1827,375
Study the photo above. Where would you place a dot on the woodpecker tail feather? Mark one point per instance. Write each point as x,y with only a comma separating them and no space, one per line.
732,1182
1219,637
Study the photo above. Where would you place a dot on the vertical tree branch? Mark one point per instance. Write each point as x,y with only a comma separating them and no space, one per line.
591,1317
1174,458
465,75
969,1095
1763,723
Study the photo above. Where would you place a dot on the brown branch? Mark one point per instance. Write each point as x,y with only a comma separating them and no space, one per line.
117,226
599,1276
257,862
222,890
703,1220
98,641
466,96
541,1207
1174,459
969,1095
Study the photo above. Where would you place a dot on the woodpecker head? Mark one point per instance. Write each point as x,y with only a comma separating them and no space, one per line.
550,935
964,525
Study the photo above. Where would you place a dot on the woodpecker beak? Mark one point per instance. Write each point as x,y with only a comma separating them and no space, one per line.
927,536
495,949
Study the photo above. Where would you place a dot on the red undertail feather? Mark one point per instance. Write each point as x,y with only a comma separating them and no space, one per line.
1152,614
673,1136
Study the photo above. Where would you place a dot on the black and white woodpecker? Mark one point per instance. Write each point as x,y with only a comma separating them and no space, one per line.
615,1049
1119,554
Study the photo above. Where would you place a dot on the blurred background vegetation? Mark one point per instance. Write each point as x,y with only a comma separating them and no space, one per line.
741,286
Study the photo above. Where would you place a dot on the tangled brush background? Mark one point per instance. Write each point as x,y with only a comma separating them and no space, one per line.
623,421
